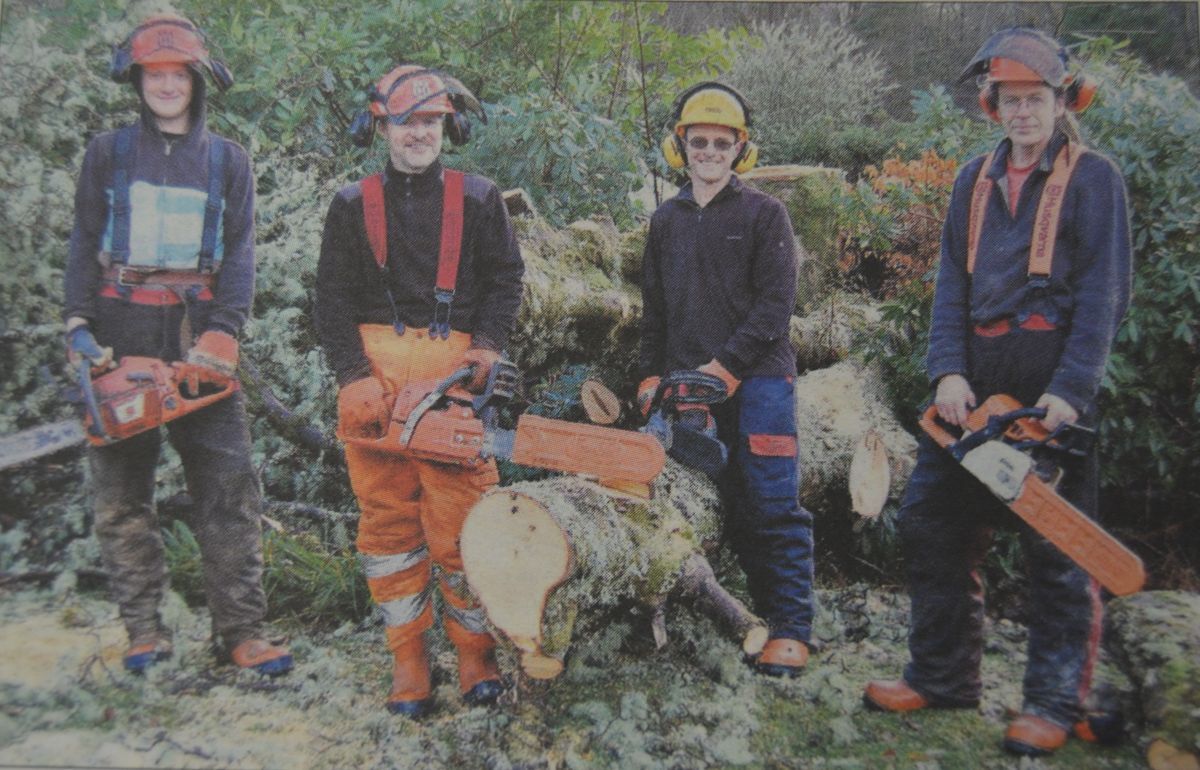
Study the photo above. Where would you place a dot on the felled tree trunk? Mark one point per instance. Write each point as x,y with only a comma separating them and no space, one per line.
1155,639
824,336
547,558
835,408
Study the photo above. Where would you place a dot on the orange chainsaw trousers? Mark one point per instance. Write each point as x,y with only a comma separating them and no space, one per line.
412,509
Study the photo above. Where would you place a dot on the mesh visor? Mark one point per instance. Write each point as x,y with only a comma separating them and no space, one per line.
167,42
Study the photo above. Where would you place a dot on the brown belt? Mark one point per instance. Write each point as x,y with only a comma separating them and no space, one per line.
154,286
1001,326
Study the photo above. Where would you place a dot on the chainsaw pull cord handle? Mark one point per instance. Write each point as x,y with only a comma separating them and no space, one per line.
89,400
459,376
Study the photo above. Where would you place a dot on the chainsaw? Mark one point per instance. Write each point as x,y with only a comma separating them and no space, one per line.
1005,447
681,421
441,421
141,393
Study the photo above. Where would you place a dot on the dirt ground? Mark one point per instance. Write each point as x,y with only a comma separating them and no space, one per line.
66,702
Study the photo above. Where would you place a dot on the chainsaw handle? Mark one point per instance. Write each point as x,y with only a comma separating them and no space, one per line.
96,428
701,388
932,425
459,376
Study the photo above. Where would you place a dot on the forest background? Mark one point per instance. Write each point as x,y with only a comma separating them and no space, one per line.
578,95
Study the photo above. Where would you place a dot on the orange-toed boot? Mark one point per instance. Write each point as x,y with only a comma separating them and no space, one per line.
478,674
782,657
410,680
893,695
262,656
146,650
1033,736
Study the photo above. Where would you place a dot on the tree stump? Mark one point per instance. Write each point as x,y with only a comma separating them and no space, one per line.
548,558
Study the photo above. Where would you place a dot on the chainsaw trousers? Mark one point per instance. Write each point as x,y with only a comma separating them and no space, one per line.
945,524
214,445
770,532
413,510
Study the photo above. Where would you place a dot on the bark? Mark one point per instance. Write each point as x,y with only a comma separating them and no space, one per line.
548,559
290,426
1155,639
824,336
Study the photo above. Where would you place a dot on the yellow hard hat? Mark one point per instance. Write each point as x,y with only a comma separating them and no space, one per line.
716,105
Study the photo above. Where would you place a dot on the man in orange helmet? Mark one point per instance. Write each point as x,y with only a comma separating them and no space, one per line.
1034,279
419,275
161,264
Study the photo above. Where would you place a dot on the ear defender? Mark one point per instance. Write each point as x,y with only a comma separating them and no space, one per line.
746,159
121,63
1080,93
985,103
672,150
221,74
458,128
362,129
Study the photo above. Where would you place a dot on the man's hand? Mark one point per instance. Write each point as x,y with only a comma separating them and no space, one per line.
364,408
481,360
1058,411
81,344
954,399
715,368
213,359
645,393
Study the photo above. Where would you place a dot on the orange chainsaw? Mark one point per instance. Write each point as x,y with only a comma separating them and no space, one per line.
996,448
441,421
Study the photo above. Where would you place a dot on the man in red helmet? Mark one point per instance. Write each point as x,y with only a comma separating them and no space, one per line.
161,264
1034,279
419,275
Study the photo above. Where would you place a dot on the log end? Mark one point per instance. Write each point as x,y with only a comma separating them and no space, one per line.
1163,756
870,475
539,666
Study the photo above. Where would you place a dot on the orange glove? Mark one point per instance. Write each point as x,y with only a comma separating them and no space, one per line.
482,360
715,368
364,408
645,393
213,359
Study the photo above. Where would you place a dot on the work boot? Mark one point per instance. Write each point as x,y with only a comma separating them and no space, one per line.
782,657
478,674
145,650
1033,736
261,656
410,696
893,695
1106,728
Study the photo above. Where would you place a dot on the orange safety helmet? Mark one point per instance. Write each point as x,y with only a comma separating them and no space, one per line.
1026,55
410,89
166,39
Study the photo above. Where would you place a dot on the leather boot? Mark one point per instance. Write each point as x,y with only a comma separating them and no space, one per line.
893,695
782,657
1033,736
478,674
262,656
411,689
145,650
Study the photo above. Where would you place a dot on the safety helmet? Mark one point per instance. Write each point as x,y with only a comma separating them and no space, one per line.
410,89
166,39
715,104
1025,55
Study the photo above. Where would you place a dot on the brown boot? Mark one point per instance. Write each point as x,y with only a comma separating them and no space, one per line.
893,695
1033,736
782,657
411,689
478,674
145,650
262,656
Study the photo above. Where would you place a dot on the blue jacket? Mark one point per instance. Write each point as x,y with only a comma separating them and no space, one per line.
719,282
168,190
1091,275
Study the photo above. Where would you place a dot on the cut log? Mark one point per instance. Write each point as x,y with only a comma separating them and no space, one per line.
549,558
835,408
1154,637
870,475
825,336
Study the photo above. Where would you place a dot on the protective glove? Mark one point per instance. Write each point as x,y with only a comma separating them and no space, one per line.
364,408
81,344
481,359
715,368
645,393
213,359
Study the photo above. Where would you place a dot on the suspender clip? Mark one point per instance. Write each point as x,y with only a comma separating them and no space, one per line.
440,325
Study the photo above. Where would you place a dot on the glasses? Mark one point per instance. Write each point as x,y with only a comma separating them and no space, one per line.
700,143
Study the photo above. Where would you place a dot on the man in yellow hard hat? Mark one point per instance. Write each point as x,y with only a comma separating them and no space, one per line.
1034,279
419,275
718,288
163,243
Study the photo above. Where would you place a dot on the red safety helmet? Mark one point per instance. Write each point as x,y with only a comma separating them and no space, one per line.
1025,55
410,89
166,39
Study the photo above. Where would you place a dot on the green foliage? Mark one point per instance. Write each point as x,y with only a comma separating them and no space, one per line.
309,582
816,94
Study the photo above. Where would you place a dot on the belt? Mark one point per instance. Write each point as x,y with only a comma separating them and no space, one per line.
154,286
1035,322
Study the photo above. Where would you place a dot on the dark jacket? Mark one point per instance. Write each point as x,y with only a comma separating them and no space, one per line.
1090,279
351,288
169,175
719,282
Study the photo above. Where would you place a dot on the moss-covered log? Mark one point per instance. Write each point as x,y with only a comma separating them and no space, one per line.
825,336
549,558
1155,639
835,408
